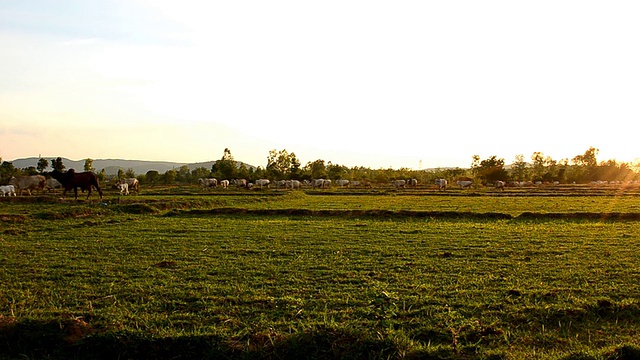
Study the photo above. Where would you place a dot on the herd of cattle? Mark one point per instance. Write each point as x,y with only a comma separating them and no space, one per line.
440,184
70,180
87,181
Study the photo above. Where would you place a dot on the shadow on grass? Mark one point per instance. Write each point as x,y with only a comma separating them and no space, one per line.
76,339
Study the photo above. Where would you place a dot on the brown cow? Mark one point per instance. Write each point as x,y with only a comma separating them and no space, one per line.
72,180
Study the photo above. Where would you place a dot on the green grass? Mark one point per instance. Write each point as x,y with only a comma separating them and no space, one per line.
141,280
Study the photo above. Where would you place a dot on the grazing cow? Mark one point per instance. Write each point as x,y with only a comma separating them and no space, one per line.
132,183
464,183
295,184
441,184
72,180
412,183
281,184
224,184
208,183
361,184
321,183
52,184
342,182
499,185
124,188
28,183
262,183
399,183
239,182
8,189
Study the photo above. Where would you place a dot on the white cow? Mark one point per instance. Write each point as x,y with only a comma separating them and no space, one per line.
262,183
412,183
342,183
321,183
464,183
28,183
399,183
239,182
295,184
132,183
124,188
441,184
8,189
499,185
207,183
224,184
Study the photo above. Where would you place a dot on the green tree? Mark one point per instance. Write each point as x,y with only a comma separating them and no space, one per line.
7,170
584,168
169,177
102,175
43,164
88,165
538,167
243,172
57,164
183,174
29,171
120,174
519,168
200,172
152,177
491,170
282,165
226,167
316,169
335,172
130,174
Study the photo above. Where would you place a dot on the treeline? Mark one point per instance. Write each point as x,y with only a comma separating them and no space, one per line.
284,165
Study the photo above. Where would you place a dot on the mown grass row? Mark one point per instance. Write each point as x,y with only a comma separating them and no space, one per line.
91,280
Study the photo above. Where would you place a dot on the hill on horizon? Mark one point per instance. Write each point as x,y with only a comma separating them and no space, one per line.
111,166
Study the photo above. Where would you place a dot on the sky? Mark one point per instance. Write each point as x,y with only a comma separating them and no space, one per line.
379,84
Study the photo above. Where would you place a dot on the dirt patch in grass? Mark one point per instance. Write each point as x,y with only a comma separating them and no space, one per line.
70,213
12,218
138,208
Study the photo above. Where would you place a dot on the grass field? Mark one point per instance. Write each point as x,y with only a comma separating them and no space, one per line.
173,273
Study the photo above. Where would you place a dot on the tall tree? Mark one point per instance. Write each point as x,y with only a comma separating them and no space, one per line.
281,163
317,169
491,169
226,167
184,174
519,168
57,164
152,177
537,159
335,172
200,172
7,170
88,165
43,164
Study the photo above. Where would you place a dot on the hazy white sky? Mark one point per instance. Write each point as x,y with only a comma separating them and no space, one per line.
358,83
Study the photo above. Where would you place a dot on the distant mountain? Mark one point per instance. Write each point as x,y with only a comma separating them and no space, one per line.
111,166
